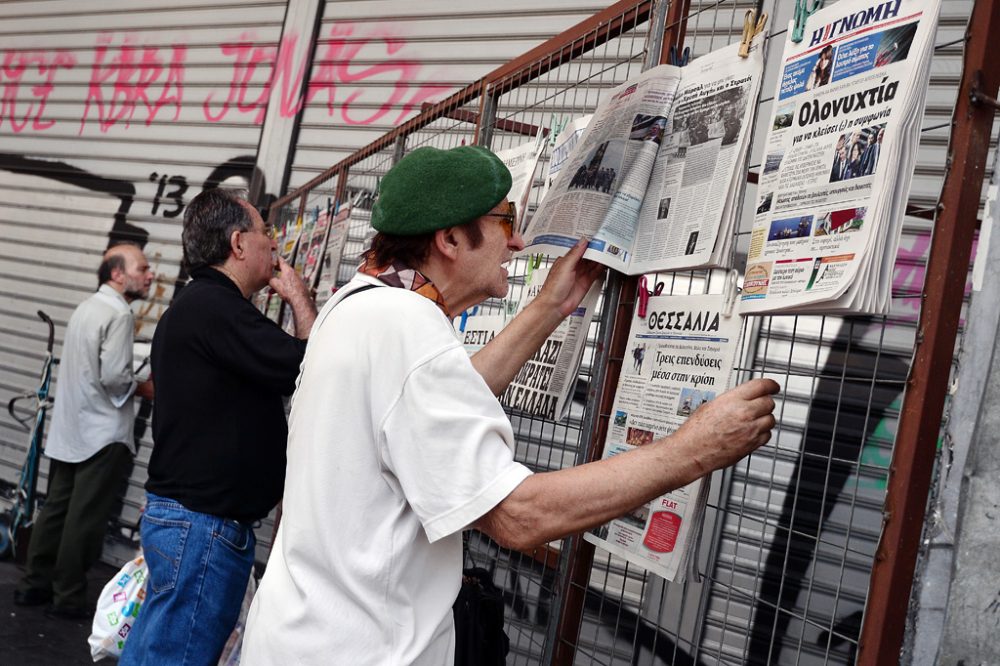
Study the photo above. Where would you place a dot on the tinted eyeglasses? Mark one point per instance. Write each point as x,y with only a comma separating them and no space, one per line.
507,220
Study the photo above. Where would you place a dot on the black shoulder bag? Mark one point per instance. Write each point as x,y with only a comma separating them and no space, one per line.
479,636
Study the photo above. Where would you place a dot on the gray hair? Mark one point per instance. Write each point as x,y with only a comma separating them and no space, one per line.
209,221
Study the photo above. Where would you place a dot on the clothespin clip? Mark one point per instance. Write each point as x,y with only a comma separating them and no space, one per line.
556,126
751,29
534,263
730,289
644,294
803,10
677,57
465,318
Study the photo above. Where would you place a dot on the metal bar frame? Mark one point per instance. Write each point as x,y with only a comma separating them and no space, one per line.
915,452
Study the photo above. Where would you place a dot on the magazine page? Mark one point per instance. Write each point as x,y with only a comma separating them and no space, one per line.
544,386
325,280
833,182
314,250
690,201
599,190
678,357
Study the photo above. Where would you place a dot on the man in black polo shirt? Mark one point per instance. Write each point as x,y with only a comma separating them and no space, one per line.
219,431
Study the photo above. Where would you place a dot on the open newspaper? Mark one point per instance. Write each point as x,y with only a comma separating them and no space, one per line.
680,356
839,158
654,180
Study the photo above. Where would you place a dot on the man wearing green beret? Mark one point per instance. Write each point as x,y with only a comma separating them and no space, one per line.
397,442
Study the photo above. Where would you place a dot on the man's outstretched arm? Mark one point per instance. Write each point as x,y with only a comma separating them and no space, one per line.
553,505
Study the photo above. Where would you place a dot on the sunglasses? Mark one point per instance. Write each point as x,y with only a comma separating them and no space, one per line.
507,220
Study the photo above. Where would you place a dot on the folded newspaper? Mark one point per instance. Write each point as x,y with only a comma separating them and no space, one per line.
680,356
839,158
655,178
544,386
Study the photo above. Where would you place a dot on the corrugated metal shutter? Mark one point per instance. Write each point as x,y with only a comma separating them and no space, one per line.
377,61
112,118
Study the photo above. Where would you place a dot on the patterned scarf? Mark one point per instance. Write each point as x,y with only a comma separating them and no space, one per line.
402,276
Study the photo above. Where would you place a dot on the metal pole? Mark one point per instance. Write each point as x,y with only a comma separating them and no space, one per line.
920,421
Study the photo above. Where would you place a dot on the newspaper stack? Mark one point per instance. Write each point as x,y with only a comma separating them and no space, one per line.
655,177
679,356
839,158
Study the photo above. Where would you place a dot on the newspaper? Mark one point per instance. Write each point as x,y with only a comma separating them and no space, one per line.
651,182
522,161
839,158
562,147
544,386
324,280
678,357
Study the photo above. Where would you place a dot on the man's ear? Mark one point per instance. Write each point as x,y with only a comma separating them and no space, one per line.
118,275
236,243
447,242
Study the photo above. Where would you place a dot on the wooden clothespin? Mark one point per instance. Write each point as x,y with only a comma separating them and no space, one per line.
751,29
803,10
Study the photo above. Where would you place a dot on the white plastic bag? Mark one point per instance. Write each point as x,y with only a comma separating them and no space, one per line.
117,607
120,602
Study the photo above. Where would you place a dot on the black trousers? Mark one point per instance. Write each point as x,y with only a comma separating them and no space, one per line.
68,535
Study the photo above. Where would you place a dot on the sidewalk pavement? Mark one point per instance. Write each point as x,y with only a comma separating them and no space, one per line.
28,638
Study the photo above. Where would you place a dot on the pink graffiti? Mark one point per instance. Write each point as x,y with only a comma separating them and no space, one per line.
132,82
20,67
909,274
131,74
334,68
333,72
247,58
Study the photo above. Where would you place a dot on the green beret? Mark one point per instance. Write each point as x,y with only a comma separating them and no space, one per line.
433,189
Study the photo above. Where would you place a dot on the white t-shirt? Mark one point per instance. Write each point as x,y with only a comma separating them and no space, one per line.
395,445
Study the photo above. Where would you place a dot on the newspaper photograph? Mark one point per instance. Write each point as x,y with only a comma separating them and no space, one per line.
636,181
544,386
562,147
680,356
838,159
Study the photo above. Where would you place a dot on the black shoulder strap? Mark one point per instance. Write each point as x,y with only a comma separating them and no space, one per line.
344,298
355,291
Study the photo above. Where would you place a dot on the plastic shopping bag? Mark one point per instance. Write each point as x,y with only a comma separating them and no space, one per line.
117,608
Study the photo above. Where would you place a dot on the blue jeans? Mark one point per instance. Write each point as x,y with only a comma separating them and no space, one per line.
199,566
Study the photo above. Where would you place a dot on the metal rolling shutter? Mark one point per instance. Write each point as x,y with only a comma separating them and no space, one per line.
141,115
376,61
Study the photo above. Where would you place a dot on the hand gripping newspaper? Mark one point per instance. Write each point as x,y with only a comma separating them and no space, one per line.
651,182
680,355
839,158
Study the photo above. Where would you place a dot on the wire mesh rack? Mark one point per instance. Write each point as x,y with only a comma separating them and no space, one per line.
792,533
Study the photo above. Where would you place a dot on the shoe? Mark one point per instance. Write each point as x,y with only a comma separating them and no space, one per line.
32,597
60,613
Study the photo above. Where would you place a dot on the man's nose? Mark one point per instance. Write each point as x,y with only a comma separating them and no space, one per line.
516,242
